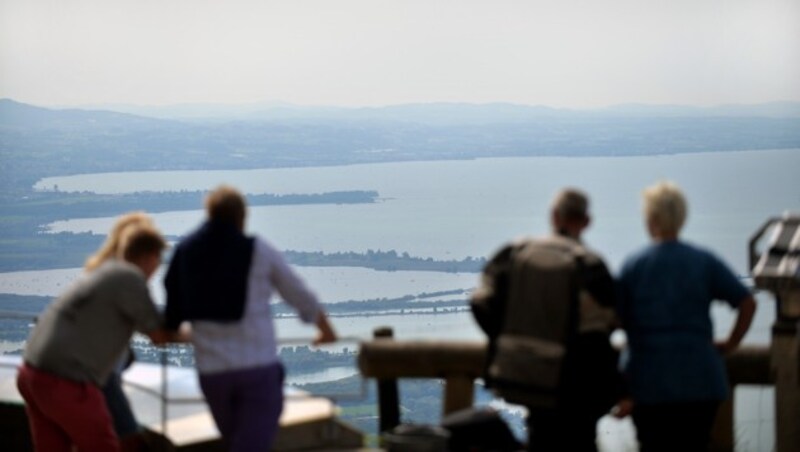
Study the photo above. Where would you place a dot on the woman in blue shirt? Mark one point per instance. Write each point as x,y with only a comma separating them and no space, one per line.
676,371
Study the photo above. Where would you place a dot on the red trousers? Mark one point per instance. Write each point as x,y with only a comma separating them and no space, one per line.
63,413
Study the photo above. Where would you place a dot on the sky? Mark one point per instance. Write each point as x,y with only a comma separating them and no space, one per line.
560,53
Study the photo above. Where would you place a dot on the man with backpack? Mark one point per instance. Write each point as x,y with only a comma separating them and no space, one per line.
546,305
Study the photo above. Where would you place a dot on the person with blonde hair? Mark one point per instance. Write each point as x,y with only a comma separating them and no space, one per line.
111,245
78,340
675,369
221,280
125,423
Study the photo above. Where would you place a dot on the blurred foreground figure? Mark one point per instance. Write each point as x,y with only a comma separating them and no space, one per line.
546,305
79,340
125,424
221,281
676,371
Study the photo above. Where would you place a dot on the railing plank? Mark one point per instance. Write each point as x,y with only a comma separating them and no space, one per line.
421,359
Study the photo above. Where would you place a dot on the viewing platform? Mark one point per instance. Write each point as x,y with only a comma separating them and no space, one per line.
459,363
168,402
177,418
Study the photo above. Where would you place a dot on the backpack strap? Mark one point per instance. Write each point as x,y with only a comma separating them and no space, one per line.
579,256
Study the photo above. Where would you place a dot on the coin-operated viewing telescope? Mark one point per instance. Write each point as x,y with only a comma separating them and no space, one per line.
777,269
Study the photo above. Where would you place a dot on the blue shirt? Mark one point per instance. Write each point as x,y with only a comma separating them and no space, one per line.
665,293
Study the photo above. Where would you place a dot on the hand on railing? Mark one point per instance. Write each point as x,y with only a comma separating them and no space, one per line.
164,337
326,334
623,408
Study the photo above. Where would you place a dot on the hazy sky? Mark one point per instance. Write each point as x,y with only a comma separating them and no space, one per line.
564,53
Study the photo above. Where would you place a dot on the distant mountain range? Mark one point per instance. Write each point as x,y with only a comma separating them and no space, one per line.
769,110
15,114
37,142
424,113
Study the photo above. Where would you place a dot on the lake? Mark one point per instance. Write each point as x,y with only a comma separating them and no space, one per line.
460,208
455,209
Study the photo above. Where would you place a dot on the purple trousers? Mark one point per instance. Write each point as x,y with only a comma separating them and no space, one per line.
246,405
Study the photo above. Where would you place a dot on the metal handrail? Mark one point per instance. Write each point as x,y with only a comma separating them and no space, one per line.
360,395
165,400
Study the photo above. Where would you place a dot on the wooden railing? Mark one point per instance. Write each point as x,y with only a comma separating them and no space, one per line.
459,363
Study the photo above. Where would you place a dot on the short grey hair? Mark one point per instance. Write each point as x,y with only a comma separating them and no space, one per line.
571,204
665,206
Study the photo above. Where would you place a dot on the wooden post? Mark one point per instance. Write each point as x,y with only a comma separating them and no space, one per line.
458,393
747,365
786,368
388,395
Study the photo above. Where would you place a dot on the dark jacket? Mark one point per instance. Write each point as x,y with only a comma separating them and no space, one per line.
208,275
536,303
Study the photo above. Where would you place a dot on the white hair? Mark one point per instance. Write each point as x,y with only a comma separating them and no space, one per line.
665,207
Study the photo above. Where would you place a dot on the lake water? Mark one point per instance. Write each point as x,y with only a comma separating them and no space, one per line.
333,284
455,209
